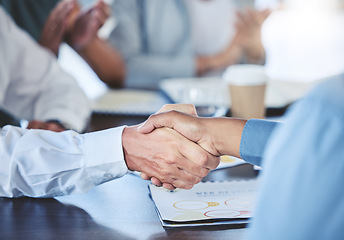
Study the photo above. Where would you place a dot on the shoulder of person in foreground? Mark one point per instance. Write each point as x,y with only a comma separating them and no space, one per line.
303,170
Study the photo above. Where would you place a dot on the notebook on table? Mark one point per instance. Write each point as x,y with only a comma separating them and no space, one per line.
130,102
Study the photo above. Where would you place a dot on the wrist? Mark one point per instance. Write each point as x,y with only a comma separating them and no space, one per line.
127,141
205,64
226,136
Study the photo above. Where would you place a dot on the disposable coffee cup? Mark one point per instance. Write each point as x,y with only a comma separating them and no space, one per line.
246,85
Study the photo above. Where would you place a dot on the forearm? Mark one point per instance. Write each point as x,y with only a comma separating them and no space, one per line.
255,54
40,163
105,61
225,134
229,56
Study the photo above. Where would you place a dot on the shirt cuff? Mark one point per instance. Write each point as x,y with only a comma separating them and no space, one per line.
254,138
104,155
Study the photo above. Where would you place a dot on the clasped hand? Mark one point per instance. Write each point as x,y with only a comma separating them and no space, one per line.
168,156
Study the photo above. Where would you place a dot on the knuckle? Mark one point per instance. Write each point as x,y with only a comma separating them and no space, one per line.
203,159
165,173
205,172
191,109
171,160
192,179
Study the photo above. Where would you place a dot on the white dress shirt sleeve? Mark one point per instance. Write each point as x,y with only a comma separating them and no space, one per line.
40,163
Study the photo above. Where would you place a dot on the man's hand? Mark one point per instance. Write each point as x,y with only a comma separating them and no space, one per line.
52,126
57,24
184,108
248,25
192,127
218,136
86,26
167,156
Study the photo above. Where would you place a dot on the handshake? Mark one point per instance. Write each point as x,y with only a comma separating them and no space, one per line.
175,148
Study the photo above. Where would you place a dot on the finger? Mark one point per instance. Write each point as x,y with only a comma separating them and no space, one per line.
156,181
60,18
178,184
185,108
62,9
165,119
169,172
98,18
103,8
34,124
168,186
202,160
156,121
54,127
187,155
144,176
195,159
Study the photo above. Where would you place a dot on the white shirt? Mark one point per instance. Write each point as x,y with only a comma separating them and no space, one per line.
41,163
32,85
213,25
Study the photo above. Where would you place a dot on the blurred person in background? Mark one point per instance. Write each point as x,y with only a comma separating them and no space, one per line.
52,22
34,87
178,38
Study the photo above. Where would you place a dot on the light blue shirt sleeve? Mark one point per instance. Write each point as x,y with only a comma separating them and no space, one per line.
254,139
302,193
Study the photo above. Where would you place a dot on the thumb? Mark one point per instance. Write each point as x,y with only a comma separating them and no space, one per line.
158,120
146,127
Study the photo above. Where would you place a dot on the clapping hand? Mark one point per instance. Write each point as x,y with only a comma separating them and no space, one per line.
87,24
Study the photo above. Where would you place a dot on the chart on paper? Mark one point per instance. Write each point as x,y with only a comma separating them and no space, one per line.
209,201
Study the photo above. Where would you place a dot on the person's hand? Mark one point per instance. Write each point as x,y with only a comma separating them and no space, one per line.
182,107
86,25
218,136
248,35
57,24
192,127
168,156
52,126
187,125
185,108
230,55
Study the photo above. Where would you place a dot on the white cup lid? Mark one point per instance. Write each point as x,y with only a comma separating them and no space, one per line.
245,75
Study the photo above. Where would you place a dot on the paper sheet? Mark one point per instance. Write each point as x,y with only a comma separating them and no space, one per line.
206,203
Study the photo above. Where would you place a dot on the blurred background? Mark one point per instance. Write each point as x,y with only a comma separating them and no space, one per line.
181,48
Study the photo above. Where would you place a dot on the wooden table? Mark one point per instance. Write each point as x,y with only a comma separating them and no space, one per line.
120,209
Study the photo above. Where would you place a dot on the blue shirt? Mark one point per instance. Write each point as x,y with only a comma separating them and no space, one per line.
301,194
